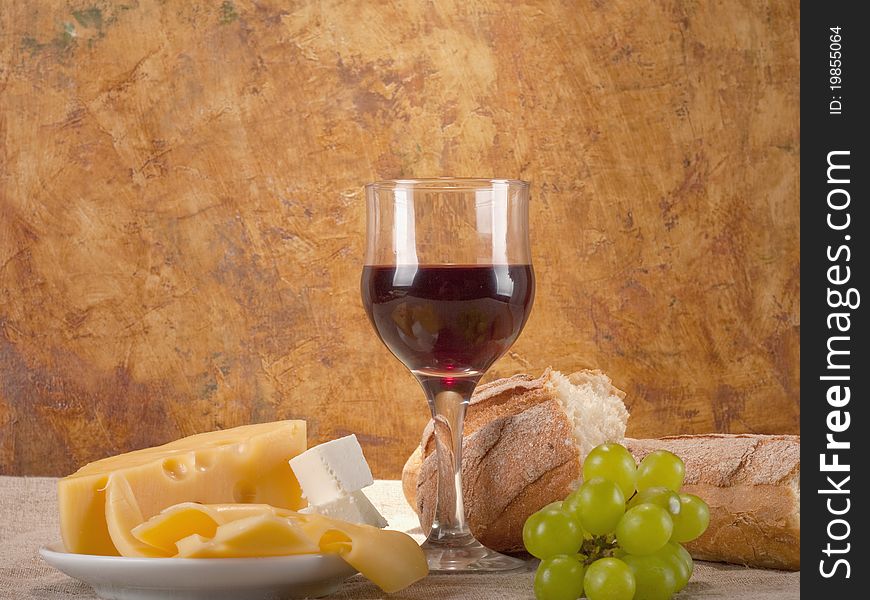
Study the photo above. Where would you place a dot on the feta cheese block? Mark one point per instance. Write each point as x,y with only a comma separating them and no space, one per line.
247,464
353,508
331,470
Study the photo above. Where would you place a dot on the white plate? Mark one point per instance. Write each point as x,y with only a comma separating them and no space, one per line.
268,578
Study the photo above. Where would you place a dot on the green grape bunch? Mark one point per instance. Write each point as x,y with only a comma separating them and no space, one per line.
618,536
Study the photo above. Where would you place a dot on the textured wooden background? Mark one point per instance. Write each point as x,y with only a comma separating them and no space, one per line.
181,208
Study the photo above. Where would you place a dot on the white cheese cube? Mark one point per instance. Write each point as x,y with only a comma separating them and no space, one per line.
353,508
332,470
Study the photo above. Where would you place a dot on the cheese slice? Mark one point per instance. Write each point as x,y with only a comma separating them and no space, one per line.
390,559
122,515
331,470
258,535
247,464
188,519
353,508
163,530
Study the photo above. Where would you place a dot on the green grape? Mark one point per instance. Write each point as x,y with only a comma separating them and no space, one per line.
687,558
571,506
670,553
660,496
598,504
556,506
559,578
692,520
661,469
547,533
612,462
653,578
644,529
609,579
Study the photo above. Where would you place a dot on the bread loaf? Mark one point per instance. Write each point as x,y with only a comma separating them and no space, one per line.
525,439
523,444
752,485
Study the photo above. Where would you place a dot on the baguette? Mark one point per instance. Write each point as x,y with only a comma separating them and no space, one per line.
752,485
525,439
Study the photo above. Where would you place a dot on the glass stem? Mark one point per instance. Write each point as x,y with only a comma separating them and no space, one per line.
448,412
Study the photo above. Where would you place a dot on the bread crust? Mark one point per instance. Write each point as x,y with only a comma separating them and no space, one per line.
499,398
752,486
519,454
410,472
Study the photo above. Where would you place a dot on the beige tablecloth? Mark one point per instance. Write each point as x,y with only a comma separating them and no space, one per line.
28,519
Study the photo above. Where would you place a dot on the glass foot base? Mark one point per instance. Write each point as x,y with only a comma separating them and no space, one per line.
457,555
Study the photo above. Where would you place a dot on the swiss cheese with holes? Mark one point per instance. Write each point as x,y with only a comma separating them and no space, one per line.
247,464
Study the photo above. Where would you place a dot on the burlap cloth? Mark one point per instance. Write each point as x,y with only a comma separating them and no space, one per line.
28,519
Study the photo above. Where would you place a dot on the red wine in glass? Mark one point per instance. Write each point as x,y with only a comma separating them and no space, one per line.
448,321
448,286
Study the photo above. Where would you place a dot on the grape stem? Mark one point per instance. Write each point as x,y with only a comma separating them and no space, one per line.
599,546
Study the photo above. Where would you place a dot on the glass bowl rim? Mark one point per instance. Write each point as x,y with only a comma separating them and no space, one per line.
444,183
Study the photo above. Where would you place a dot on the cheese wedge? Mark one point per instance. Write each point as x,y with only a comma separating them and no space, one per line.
247,464
390,559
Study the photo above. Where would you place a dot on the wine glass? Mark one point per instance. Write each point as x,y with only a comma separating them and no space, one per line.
448,286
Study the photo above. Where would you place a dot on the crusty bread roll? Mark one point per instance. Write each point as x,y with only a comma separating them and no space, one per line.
525,439
523,442
752,485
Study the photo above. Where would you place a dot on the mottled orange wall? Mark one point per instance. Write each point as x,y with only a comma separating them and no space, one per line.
181,215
